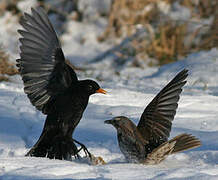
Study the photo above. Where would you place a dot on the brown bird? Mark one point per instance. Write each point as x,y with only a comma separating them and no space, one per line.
147,142
52,87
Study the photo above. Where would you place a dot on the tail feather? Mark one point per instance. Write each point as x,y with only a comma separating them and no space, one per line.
179,143
185,142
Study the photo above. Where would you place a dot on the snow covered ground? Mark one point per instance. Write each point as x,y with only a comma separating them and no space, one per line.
128,94
197,114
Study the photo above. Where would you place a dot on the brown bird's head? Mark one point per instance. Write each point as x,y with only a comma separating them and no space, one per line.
119,122
90,87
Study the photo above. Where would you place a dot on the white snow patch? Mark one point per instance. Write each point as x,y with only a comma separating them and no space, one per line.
197,113
26,5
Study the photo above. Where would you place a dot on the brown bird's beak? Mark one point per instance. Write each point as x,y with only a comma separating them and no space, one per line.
100,90
108,121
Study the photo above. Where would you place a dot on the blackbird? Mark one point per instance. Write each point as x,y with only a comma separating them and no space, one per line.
52,87
147,143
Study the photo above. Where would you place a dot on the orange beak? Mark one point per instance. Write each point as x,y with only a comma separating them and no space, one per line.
100,90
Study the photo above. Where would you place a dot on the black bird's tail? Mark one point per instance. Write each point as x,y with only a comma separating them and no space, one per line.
184,142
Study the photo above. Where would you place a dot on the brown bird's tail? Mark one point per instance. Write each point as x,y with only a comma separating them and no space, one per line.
179,143
184,142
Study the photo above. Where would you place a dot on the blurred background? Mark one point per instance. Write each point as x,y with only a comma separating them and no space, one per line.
133,33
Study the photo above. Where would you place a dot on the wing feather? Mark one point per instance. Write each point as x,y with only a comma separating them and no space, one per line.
42,63
156,120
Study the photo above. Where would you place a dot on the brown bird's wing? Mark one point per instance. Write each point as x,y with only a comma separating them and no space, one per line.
42,63
159,154
156,120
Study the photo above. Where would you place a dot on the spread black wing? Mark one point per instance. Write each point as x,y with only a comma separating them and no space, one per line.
156,120
42,64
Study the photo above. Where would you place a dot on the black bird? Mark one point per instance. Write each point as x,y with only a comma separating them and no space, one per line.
147,142
52,87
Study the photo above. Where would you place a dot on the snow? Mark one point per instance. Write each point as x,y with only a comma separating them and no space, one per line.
93,8
179,12
24,6
80,42
21,126
128,94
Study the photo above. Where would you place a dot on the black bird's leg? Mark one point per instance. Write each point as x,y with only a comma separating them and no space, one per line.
84,148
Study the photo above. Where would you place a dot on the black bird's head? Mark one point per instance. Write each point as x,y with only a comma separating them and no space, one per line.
90,87
119,122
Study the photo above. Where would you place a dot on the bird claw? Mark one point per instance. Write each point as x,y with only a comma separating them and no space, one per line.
84,148
77,156
91,158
